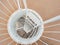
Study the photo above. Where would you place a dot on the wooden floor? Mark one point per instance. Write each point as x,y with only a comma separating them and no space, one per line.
46,8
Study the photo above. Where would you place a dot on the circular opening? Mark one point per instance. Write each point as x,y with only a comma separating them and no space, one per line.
23,24
25,30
